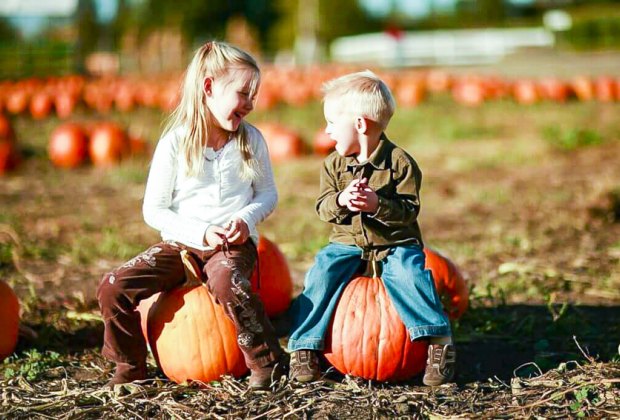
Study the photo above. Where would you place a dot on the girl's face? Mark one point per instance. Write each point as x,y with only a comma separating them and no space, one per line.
230,97
341,128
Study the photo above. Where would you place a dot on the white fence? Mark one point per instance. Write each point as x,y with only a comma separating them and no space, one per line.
455,47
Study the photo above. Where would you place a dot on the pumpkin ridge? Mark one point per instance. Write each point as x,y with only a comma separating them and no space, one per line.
201,352
380,303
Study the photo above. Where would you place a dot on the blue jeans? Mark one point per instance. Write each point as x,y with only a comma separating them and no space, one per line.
409,285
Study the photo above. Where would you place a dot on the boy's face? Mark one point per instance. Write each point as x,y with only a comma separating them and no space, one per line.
341,128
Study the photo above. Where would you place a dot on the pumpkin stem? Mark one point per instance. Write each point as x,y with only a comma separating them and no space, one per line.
375,269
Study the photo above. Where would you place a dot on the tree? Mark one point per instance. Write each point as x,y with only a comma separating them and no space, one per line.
7,31
88,32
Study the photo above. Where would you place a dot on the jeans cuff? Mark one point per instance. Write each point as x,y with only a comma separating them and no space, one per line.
429,331
305,344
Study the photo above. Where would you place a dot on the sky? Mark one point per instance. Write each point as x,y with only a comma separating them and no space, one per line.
31,15
412,8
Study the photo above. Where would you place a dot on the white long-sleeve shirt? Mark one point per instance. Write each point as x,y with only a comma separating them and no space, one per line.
182,208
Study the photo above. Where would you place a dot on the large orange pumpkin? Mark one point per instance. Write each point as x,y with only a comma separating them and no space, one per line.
366,337
276,286
68,146
108,143
449,283
191,337
9,320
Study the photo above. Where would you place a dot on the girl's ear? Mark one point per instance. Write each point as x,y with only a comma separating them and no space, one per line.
361,125
207,85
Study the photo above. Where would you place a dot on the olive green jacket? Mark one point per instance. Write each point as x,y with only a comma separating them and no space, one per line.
396,178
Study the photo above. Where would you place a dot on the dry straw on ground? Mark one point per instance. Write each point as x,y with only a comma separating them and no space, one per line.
75,391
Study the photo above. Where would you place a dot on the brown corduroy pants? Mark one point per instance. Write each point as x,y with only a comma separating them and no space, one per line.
159,269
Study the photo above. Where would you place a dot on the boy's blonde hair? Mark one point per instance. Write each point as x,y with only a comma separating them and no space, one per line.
362,93
213,59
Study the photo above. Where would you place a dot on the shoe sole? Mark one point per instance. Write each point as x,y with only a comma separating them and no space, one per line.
305,378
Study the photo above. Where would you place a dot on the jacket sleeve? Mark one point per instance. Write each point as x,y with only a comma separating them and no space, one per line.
403,207
326,204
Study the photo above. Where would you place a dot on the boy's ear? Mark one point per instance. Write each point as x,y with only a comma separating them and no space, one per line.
361,125
207,85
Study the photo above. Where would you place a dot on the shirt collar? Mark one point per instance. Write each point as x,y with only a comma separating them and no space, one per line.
378,158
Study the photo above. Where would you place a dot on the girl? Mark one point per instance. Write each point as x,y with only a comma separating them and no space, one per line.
209,184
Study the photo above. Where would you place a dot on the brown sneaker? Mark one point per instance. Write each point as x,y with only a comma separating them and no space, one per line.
304,366
440,364
262,378
126,373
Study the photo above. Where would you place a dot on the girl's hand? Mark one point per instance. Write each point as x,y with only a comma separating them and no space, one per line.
237,232
214,236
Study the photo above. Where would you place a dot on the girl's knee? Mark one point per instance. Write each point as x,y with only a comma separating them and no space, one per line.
110,289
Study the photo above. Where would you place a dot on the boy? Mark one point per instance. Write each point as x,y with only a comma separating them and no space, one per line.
369,192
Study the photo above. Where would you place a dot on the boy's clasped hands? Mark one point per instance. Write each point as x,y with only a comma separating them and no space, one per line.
358,196
235,232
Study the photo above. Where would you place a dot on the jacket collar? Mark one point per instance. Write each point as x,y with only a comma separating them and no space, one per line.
378,158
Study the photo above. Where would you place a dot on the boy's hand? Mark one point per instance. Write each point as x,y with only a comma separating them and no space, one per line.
365,199
358,196
214,236
347,194
237,232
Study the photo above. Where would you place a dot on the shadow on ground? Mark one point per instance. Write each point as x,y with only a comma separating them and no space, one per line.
499,341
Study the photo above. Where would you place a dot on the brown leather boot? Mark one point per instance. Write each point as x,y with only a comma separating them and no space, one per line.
126,373
440,364
304,366
262,378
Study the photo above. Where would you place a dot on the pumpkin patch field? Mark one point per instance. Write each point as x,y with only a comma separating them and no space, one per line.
520,210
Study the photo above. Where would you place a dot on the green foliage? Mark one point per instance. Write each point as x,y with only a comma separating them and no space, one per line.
6,259
111,243
571,138
32,366
582,399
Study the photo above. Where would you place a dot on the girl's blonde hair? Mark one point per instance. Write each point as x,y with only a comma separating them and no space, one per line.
213,59
362,93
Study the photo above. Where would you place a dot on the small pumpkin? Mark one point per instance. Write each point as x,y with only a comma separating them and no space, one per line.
449,282
41,105
323,145
9,320
9,156
468,92
366,337
191,337
275,287
283,143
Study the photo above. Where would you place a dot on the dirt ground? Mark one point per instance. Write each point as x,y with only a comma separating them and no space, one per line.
535,229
